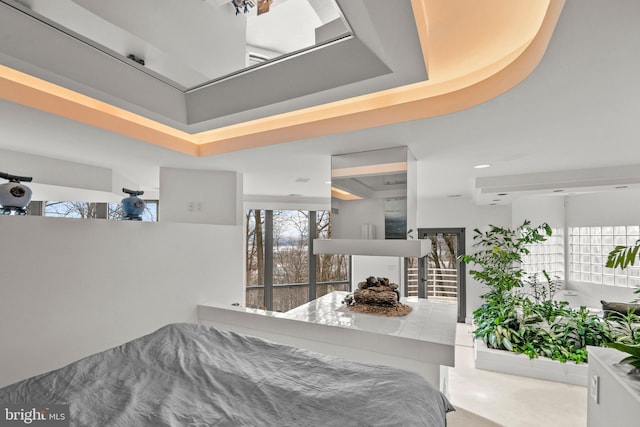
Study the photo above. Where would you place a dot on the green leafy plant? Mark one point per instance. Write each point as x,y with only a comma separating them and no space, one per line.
624,256
500,252
623,328
519,313
497,324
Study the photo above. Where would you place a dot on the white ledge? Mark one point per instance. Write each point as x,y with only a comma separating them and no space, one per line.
543,368
400,248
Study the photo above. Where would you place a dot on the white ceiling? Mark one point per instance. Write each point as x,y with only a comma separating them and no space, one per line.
579,109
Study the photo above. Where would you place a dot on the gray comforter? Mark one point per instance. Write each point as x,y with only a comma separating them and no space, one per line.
192,375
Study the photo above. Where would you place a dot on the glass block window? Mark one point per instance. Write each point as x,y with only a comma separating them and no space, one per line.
547,256
589,248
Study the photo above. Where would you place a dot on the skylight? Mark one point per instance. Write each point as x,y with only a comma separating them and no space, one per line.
190,43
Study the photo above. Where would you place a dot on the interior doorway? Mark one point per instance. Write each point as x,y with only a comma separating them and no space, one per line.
440,275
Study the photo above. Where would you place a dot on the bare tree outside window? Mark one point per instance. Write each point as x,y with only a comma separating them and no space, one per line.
255,247
67,209
88,210
291,263
332,271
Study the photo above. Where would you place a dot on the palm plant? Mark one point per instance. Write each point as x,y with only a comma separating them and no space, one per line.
624,256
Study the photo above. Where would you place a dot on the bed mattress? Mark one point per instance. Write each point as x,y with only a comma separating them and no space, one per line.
194,375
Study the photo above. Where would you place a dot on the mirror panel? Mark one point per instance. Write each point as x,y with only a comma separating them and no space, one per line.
370,192
191,43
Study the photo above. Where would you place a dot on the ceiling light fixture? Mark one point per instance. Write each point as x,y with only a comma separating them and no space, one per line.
482,166
619,187
558,191
503,194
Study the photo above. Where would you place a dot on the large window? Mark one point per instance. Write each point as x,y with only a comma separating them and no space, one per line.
588,251
281,271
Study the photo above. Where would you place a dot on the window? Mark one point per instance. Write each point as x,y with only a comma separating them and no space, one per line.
71,209
113,211
547,256
589,248
281,273
332,271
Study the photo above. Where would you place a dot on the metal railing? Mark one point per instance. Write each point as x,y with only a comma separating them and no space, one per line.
412,281
442,283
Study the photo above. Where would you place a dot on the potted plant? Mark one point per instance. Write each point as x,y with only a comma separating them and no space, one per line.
499,256
519,312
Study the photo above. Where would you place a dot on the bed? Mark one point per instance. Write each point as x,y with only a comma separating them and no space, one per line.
194,375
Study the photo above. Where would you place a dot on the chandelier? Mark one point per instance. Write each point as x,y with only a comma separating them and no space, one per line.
243,5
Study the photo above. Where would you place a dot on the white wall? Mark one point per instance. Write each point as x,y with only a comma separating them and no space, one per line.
200,196
71,288
390,267
463,212
621,207
55,179
538,210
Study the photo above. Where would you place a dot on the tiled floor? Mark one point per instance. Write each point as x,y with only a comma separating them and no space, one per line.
509,400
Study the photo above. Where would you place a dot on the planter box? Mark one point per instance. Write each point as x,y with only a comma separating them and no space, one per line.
519,364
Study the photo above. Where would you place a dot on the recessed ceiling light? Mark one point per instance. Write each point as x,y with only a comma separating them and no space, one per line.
492,204
482,166
621,186
496,200
294,195
454,195
503,194
558,191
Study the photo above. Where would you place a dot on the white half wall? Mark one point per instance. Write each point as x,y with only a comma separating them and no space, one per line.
71,287
463,212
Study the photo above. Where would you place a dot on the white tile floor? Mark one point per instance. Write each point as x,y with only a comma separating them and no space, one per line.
509,400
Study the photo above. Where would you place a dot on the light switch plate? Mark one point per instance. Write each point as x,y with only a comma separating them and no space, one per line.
594,388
